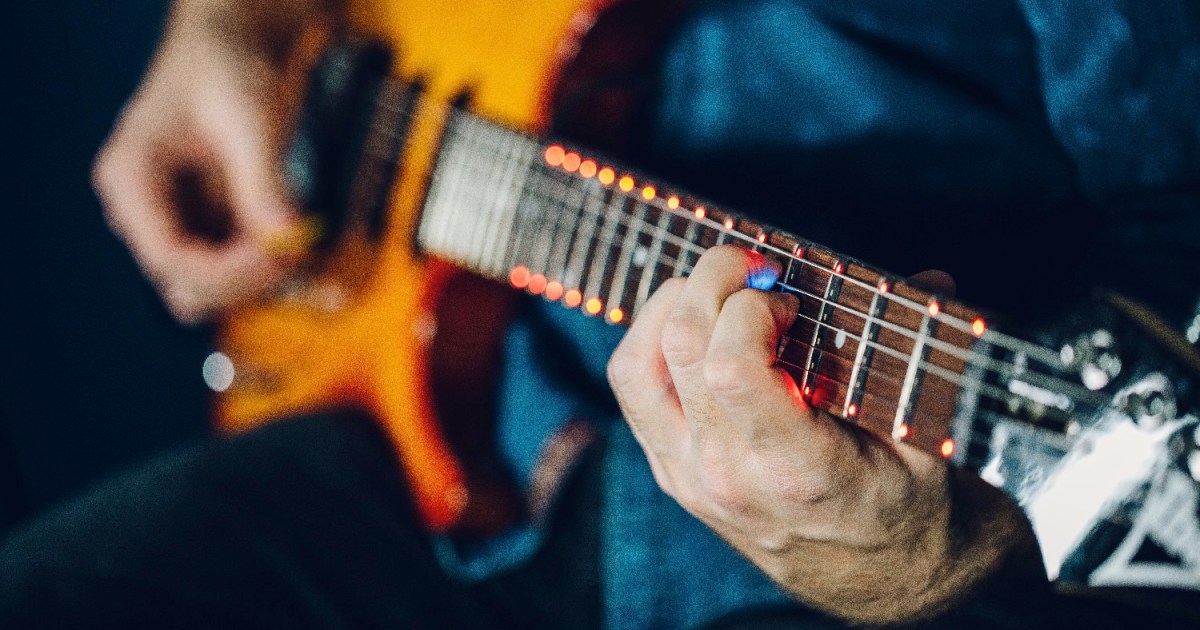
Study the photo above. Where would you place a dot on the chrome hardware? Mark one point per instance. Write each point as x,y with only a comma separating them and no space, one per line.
1150,402
1094,356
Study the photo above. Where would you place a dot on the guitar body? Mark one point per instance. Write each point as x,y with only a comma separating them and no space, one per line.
359,334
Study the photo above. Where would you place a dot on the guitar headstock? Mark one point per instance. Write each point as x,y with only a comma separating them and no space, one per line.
1099,441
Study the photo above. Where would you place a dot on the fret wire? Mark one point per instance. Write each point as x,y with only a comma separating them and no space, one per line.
556,266
586,237
832,286
604,245
911,378
514,184
650,269
616,291
863,354
487,173
478,171
466,194
496,189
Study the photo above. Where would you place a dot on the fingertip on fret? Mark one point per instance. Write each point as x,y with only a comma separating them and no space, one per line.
762,278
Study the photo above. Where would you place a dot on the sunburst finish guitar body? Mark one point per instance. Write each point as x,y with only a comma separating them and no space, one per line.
358,333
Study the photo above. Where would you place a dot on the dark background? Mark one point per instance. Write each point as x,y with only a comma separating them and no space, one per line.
95,375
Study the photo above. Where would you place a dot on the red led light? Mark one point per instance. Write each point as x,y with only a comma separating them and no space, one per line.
519,277
934,309
673,202
572,298
587,169
537,284
571,162
606,176
852,410
947,448
700,212
807,391
728,224
616,315
554,290
593,306
649,193
884,287
978,327
838,267
762,237
798,251
626,183
555,155
903,431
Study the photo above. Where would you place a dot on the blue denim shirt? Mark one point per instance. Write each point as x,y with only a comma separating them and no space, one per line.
1025,146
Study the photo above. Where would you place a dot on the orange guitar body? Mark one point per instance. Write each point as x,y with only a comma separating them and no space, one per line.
359,333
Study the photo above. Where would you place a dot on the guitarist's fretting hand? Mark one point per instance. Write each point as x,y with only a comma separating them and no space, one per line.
852,525
189,177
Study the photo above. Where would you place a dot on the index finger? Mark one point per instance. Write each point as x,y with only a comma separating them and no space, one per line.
687,334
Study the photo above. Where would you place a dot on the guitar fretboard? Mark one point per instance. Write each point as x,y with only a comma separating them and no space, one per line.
866,347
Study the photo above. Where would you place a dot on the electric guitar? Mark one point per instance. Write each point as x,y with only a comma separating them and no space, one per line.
1089,424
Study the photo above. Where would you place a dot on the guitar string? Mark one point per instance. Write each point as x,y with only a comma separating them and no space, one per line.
972,357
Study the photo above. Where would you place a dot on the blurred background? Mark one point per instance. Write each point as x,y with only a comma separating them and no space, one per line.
95,375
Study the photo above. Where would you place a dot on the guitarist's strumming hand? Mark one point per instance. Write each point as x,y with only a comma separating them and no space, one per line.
189,177
866,530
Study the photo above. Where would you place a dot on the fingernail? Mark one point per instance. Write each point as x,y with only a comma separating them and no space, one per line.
763,278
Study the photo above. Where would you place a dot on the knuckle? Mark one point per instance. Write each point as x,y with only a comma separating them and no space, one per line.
683,337
626,366
721,487
725,376
801,484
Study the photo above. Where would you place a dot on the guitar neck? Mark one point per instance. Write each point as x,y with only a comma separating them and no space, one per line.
866,347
